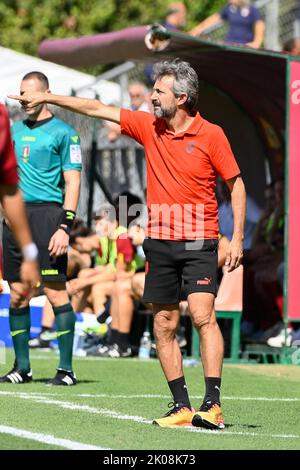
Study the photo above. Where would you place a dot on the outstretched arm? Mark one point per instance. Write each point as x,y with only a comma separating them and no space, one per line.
207,23
89,107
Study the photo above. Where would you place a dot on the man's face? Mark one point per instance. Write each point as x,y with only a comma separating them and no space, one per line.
237,3
163,99
32,85
137,96
180,14
104,227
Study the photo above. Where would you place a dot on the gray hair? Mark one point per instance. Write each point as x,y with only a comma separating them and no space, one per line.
185,80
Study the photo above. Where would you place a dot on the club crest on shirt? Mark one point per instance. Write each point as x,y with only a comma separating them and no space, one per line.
245,12
26,153
190,147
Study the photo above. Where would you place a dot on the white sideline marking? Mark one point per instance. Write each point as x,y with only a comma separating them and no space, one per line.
115,415
54,354
40,398
141,396
48,439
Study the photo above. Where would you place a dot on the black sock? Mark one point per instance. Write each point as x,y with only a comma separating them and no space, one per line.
46,328
102,316
112,337
212,391
123,341
179,392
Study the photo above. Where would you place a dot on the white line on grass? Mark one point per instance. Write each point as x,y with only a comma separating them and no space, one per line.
54,354
40,398
48,439
141,396
116,415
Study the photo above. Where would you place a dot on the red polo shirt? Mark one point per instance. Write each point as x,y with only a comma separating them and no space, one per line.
8,164
181,174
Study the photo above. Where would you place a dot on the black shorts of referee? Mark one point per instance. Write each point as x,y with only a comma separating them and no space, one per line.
44,219
171,265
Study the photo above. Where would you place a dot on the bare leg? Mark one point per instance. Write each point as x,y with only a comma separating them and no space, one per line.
201,307
99,294
138,284
48,315
166,319
126,306
114,310
79,300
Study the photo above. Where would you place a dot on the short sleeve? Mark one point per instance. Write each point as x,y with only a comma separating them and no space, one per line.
224,13
8,163
221,154
256,14
135,124
70,150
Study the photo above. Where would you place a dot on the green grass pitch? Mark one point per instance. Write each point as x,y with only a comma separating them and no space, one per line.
115,400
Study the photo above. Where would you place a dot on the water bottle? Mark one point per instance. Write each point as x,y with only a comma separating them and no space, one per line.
145,346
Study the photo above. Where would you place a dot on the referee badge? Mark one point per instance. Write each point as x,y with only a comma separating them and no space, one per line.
26,153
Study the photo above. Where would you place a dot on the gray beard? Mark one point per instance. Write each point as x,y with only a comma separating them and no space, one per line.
165,113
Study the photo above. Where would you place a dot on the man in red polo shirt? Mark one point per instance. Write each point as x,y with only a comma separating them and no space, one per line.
185,153
12,202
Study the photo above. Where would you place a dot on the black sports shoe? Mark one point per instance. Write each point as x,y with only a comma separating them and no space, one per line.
40,342
16,376
112,350
63,377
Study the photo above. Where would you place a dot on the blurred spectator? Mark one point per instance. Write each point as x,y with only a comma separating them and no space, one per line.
291,335
292,46
175,20
245,23
70,23
226,215
112,131
176,16
262,310
138,94
128,261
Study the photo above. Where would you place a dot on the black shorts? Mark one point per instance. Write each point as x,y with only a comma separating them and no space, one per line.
172,266
44,220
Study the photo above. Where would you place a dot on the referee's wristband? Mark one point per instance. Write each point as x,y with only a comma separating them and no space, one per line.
30,252
68,218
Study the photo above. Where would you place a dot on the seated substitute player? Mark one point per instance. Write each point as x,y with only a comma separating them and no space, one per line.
49,162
